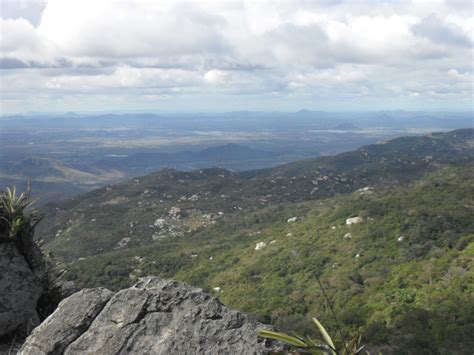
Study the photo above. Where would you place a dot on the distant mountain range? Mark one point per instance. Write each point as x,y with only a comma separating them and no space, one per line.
243,120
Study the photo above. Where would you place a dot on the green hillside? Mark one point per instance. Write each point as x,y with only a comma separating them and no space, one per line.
421,285
171,204
403,277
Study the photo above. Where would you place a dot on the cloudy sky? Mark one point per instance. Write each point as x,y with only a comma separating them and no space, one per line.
111,55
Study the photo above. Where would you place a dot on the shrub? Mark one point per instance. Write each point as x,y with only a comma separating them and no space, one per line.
17,222
308,345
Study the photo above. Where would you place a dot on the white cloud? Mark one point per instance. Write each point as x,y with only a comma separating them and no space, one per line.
442,32
20,40
265,47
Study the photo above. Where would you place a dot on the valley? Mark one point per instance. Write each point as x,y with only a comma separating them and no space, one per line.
64,155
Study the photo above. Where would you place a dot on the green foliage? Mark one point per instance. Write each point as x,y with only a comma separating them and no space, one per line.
17,224
392,286
308,345
406,269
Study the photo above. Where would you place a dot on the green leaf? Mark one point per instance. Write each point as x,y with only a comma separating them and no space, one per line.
325,335
283,337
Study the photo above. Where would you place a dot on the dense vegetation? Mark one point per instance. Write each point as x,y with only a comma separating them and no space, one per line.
403,277
17,224
124,215
421,285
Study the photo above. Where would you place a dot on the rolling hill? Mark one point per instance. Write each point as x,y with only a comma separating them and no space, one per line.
51,179
260,240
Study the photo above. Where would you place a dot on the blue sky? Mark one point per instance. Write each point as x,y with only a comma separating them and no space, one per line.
99,55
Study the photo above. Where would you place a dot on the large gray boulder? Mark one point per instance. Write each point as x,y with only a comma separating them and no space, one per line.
155,316
20,289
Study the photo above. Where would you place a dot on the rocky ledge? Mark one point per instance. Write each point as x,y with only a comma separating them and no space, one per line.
20,289
155,316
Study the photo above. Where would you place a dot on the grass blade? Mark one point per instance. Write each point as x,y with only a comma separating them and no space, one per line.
325,335
283,337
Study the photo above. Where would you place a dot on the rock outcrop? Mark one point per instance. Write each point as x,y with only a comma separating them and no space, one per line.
20,289
155,316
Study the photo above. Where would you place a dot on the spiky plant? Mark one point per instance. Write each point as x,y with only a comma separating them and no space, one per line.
308,345
17,222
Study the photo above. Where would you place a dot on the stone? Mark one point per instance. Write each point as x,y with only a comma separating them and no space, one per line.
155,316
354,220
292,219
73,315
260,246
365,190
20,289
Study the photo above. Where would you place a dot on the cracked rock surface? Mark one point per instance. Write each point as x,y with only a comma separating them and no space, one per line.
155,316
20,290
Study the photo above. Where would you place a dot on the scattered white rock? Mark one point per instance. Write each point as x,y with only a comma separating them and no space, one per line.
289,234
273,242
216,289
260,246
333,227
194,198
357,256
292,219
354,220
400,239
193,255
93,220
347,236
139,258
157,236
115,201
220,213
365,190
210,258
174,212
123,242
160,222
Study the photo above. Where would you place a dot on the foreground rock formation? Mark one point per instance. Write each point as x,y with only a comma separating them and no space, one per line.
155,316
20,289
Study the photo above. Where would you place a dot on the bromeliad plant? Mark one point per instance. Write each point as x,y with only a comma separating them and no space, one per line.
308,345
17,224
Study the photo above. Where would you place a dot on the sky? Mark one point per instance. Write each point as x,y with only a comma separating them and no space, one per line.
337,55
